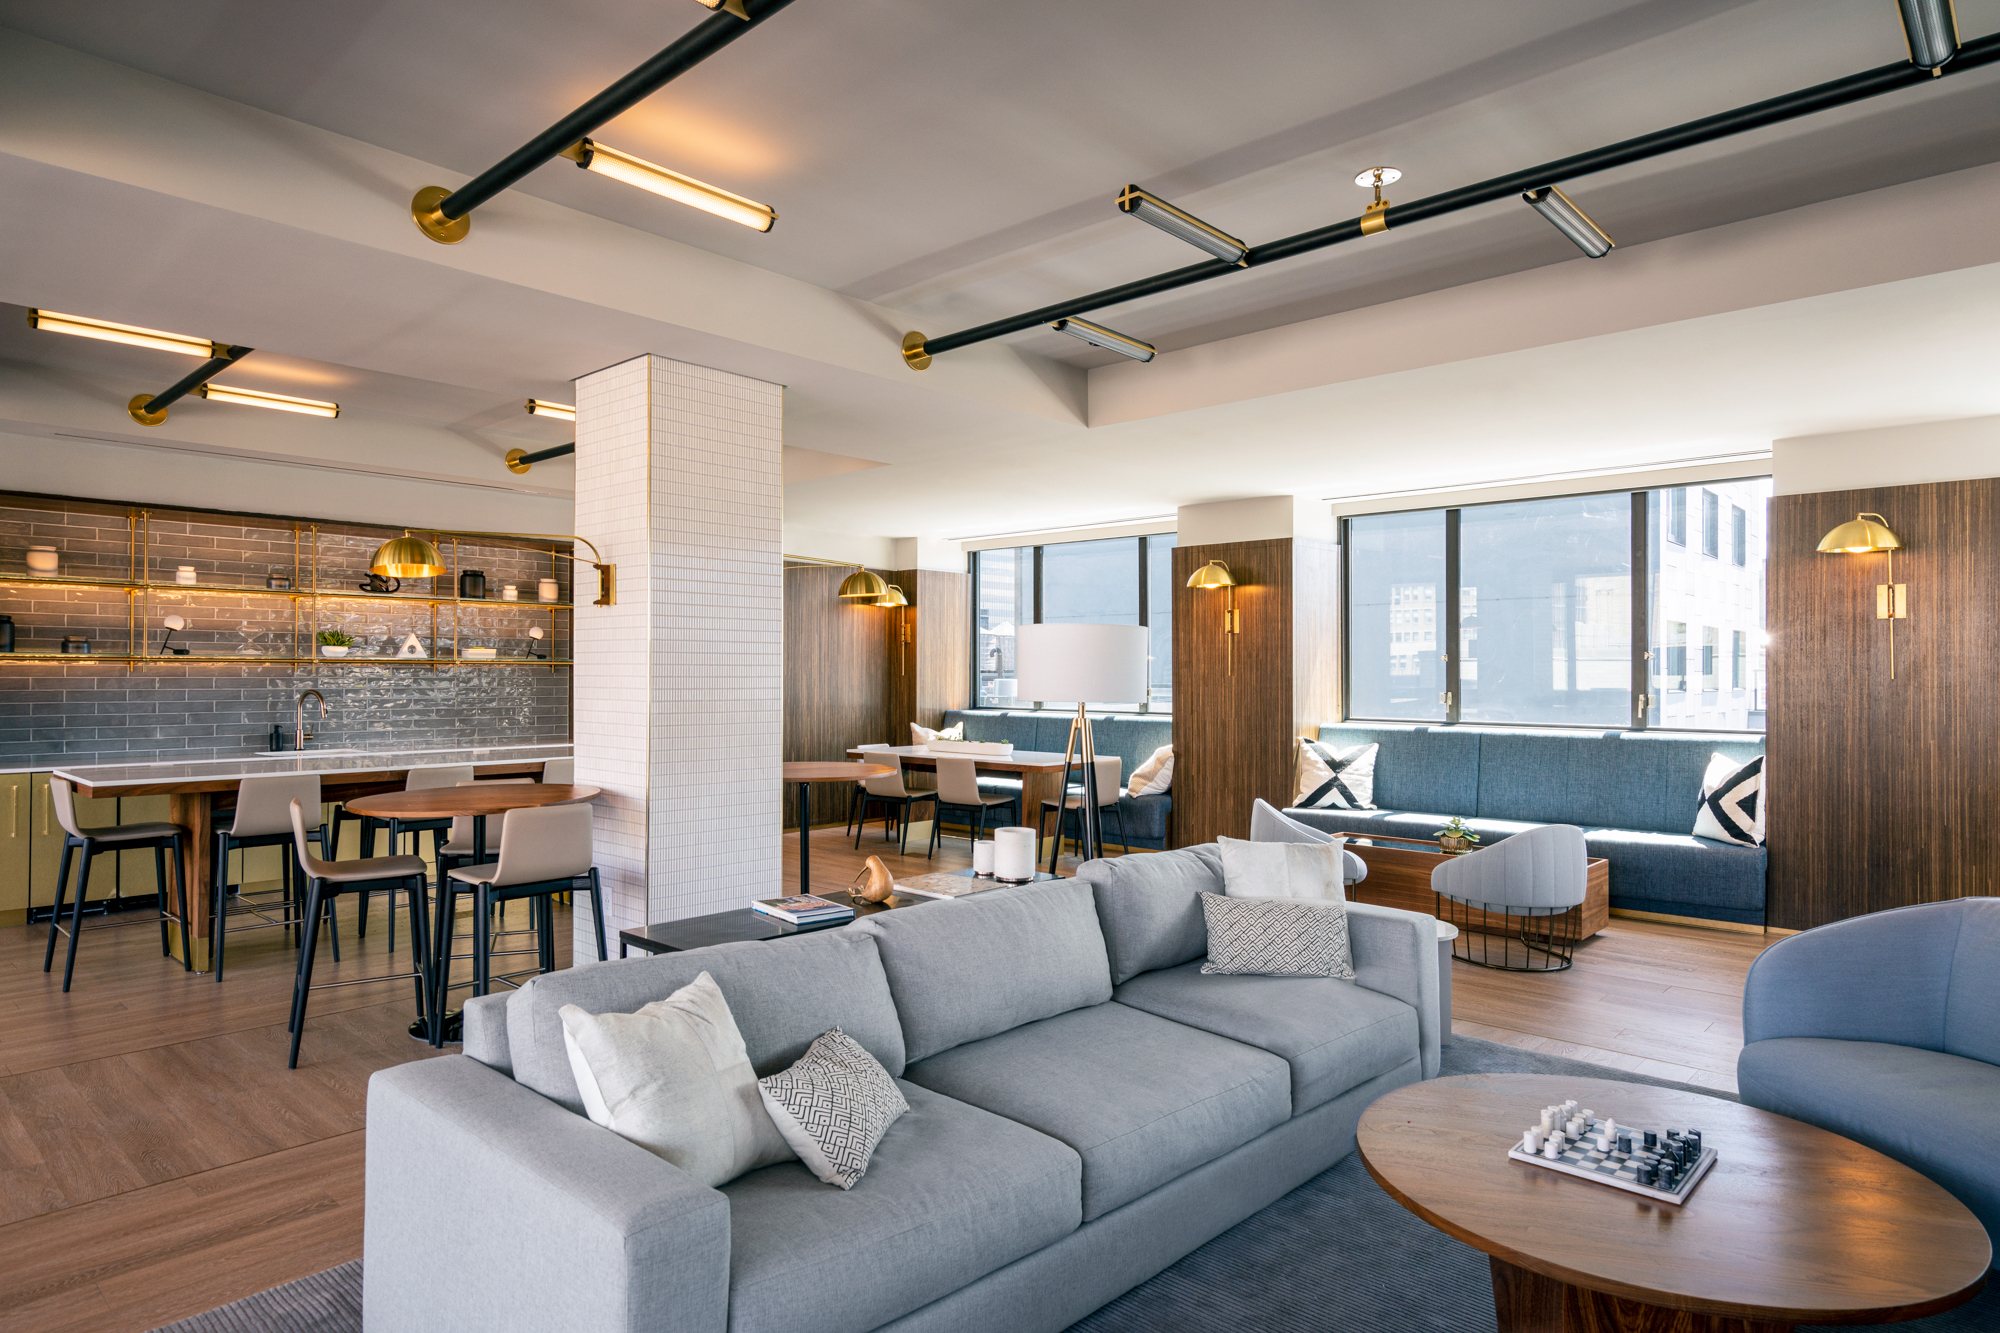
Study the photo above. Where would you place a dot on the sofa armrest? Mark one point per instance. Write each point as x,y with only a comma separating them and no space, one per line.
1396,953
485,1030
491,1207
1881,977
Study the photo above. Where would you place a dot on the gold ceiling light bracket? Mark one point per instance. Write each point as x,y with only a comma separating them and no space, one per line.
915,356
727,6
432,222
1215,574
1375,217
1865,535
137,407
411,557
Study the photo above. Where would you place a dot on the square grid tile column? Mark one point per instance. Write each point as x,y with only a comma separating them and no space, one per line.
679,696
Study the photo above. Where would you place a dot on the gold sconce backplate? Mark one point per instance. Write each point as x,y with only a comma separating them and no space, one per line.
137,407
443,230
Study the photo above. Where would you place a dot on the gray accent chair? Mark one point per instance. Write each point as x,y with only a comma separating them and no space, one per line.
1085,1108
1885,1028
1145,821
1536,877
1633,793
1269,824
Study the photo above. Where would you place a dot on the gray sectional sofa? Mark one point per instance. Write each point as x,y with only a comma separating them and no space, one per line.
1633,793
1133,739
1085,1108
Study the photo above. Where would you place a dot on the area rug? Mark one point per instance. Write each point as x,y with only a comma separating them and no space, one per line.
1336,1255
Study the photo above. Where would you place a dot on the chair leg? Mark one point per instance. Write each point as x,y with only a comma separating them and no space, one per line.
482,938
1123,845
160,877
413,898
303,987
597,915
333,923
55,917
365,897
76,911
440,966
903,828
980,831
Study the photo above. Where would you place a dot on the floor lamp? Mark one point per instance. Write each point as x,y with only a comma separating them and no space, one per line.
1089,664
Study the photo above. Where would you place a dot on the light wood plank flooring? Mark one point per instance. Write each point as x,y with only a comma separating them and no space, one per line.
157,1159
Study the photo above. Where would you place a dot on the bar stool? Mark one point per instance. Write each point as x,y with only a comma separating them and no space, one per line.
543,852
417,779
460,850
958,789
1110,772
263,819
888,791
327,880
115,837
559,772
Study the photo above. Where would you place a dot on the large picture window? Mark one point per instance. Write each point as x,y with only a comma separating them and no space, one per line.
1117,581
1587,611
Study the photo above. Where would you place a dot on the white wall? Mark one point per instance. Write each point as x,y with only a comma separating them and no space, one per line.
1889,456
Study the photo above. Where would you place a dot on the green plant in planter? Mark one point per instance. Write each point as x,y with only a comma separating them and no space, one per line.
1456,836
333,638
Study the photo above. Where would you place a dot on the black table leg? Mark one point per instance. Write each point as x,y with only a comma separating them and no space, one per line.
805,837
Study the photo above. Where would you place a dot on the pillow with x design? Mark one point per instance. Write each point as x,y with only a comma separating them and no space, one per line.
1732,801
1336,779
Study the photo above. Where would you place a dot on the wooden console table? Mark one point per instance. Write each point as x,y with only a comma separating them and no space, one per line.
1400,876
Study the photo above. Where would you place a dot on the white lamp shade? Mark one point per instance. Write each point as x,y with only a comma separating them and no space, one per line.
1081,663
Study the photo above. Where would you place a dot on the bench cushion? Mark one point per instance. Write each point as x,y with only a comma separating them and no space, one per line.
1141,1099
1680,874
952,1193
1335,1035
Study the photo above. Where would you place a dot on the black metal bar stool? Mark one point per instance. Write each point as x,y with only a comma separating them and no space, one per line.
327,880
115,837
263,820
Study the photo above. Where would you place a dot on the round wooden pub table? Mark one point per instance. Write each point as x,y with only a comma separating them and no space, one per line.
805,775
1792,1225
475,801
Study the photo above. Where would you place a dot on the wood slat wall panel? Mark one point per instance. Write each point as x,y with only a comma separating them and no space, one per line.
942,653
1881,792
839,674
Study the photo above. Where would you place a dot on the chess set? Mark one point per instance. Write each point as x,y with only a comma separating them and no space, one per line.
1658,1164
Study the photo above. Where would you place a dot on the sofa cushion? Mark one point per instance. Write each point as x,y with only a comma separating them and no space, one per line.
1419,768
1677,871
1145,818
1972,1002
952,1193
980,965
782,993
1140,1098
1150,907
1335,1035
1935,1113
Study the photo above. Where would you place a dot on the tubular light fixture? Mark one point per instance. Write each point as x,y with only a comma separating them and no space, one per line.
1862,537
1099,336
131,335
281,402
1215,574
542,407
594,156
863,585
1570,220
1375,217
1931,29
411,557
728,7
1150,208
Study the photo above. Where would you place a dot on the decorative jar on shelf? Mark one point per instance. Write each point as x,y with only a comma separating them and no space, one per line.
43,559
184,574
510,592
472,585
548,590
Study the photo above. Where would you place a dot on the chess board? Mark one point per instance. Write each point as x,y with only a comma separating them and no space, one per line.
1581,1159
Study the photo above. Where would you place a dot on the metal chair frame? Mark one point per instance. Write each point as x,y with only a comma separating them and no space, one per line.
89,847
1546,940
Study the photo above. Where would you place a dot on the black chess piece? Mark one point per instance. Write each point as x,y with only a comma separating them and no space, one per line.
1652,1140
1625,1145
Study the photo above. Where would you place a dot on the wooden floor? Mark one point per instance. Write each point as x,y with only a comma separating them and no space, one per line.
158,1159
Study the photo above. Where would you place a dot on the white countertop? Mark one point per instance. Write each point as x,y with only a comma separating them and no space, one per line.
303,761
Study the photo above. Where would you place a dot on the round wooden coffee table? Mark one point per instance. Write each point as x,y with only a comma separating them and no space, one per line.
1793,1225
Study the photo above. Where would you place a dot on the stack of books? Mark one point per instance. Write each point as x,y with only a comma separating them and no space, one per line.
804,910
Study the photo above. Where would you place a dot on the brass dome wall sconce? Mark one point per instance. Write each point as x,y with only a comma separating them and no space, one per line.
1215,574
412,557
894,598
1865,535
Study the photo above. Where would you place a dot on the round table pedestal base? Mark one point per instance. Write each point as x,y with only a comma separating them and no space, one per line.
454,1027
1527,1302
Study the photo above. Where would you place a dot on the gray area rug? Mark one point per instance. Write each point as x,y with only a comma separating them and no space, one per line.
1336,1255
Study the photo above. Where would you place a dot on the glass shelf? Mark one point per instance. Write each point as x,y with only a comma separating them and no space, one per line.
265,659
302,594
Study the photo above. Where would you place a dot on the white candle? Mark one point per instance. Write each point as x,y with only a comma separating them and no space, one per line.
982,858
1014,854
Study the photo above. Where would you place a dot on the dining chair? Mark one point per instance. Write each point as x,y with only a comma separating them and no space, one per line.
1110,772
428,778
114,837
559,772
263,819
544,851
958,789
461,848
327,880
860,787
889,792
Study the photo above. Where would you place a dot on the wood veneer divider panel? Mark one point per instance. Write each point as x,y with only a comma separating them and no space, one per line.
1881,793
942,653
839,672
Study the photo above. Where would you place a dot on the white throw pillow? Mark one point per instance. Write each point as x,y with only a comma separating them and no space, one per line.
1282,869
1331,779
1155,775
925,735
675,1079
1276,937
1732,802
833,1107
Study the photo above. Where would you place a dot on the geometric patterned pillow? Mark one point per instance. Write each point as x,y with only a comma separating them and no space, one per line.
1332,779
1277,937
833,1107
1732,802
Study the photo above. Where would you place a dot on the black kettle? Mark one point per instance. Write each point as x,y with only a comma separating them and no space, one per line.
472,585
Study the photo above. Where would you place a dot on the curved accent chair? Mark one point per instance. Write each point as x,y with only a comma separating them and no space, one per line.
1269,824
1885,1028
1523,898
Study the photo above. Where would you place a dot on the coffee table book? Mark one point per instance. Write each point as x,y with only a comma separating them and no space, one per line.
803,909
957,884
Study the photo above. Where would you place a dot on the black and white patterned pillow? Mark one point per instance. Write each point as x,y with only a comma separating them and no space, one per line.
833,1107
1732,802
1331,779
1277,937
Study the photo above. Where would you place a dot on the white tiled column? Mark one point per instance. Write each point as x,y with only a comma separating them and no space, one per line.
679,697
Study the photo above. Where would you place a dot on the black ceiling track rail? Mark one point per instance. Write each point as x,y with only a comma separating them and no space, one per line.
151,409
918,350
443,215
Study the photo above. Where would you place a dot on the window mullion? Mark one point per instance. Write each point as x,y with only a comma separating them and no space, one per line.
1451,636
1642,630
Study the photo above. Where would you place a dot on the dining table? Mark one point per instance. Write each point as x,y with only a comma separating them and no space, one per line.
803,774
1040,772
477,801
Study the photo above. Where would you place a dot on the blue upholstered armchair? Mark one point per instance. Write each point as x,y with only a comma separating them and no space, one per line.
1886,1029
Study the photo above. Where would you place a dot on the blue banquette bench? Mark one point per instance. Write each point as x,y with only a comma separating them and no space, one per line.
1132,739
1634,795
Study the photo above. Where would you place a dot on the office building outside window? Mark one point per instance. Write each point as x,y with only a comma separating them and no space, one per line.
1395,581
1116,581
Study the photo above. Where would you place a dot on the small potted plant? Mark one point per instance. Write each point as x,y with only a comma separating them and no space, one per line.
334,643
1455,837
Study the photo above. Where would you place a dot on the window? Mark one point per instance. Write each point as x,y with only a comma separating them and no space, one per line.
1587,611
1119,581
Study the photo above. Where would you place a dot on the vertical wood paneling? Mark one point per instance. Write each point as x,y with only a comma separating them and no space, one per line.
1882,792
839,674
942,653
